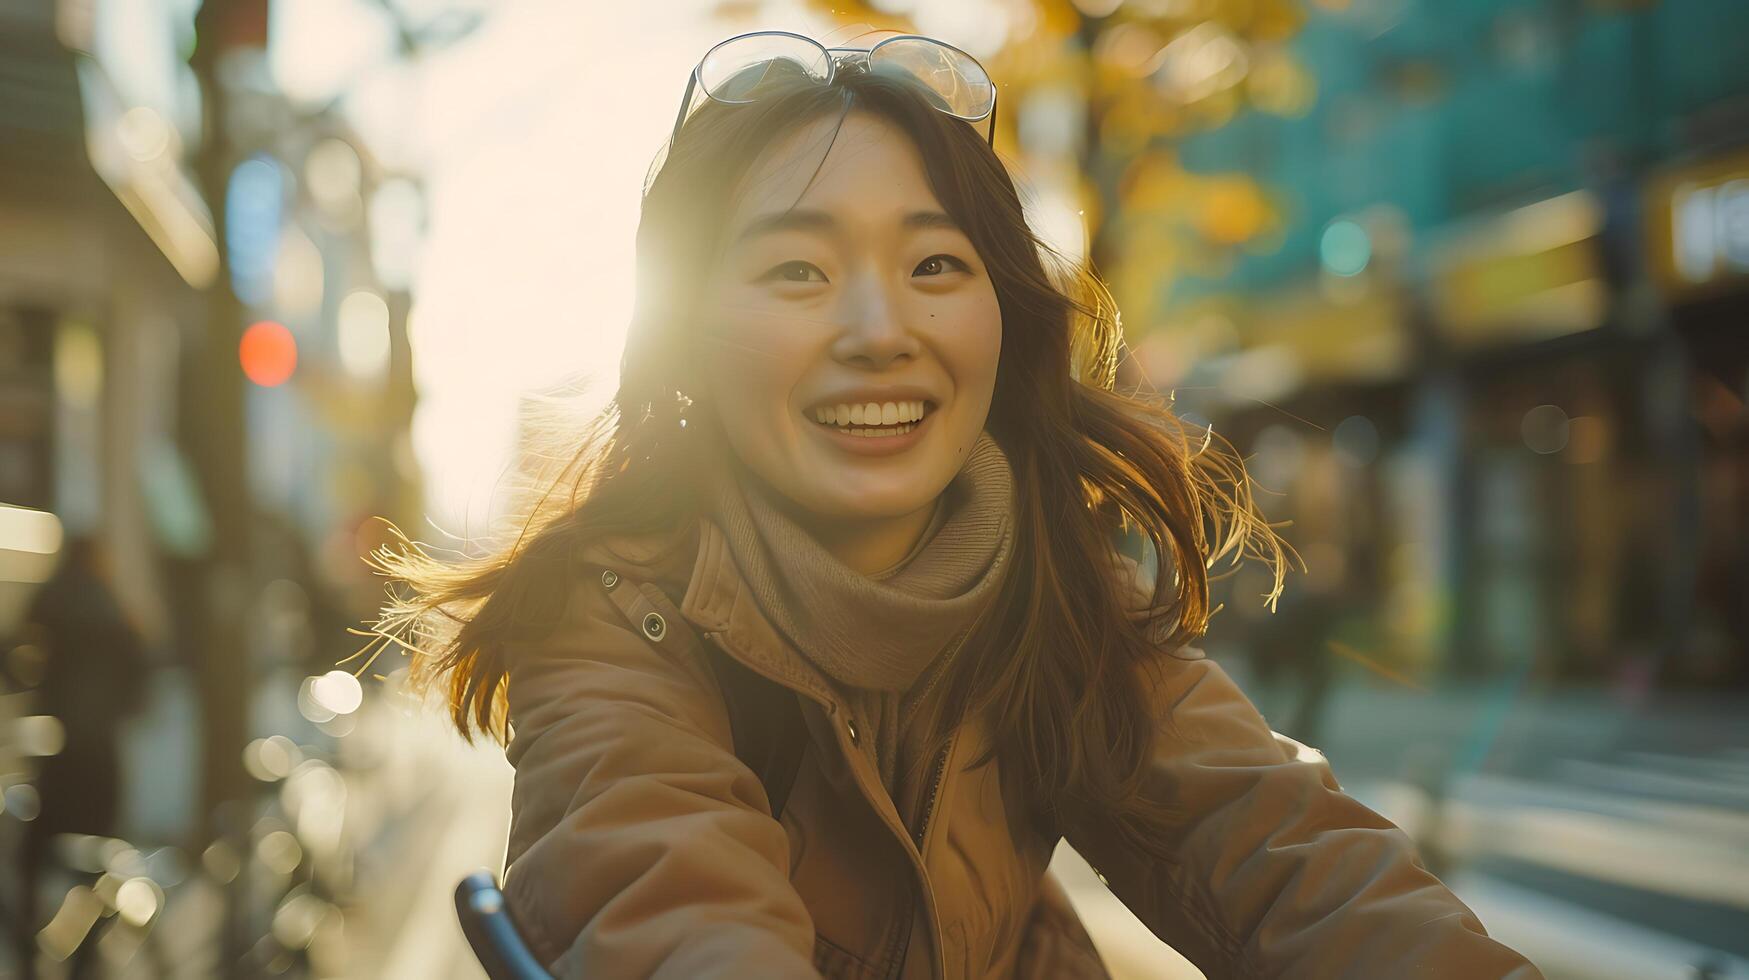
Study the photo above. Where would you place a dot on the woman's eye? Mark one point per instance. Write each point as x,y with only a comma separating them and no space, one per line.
796,272
935,265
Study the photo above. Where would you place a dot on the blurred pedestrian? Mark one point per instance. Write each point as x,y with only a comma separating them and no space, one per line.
93,677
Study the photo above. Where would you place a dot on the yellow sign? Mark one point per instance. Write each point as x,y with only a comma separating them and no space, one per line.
1529,273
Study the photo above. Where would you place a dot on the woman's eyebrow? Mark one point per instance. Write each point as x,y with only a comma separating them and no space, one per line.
931,219
794,219
815,220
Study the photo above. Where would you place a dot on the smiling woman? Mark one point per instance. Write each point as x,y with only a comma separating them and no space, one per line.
826,637
846,284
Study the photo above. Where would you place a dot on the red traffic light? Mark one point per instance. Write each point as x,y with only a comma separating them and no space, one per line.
269,353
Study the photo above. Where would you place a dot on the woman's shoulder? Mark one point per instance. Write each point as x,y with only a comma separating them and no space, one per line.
663,558
576,588
599,608
1144,581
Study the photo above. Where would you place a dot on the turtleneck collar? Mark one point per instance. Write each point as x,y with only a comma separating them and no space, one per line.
874,632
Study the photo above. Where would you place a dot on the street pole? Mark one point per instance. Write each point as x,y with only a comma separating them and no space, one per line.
211,423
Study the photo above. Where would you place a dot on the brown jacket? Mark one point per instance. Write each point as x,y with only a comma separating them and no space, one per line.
641,846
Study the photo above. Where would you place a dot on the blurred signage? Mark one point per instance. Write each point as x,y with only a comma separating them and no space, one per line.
1530,273
1697,223
1358,339
139,49
142,113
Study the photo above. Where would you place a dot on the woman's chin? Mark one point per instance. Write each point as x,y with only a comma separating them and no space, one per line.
857,499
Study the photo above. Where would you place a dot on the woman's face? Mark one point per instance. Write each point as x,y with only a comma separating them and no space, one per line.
849,333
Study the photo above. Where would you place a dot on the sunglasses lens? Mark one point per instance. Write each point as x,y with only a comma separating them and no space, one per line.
734,70
957,81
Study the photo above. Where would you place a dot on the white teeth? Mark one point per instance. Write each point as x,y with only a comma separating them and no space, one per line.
893,418
897,430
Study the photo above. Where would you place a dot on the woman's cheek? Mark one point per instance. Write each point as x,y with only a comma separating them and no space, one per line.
733,370
757,361
974,343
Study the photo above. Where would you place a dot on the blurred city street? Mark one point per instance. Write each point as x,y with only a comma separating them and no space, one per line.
1465,283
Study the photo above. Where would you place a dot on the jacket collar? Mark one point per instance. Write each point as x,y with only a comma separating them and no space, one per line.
718,602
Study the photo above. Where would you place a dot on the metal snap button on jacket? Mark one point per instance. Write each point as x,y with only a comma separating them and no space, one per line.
655,627
609,579
855,736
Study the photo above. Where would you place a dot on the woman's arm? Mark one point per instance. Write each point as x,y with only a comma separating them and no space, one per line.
640,846
1276,871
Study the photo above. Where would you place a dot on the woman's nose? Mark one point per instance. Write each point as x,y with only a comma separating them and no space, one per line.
873,333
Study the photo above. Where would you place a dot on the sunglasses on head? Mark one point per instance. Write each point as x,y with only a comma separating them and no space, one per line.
732,71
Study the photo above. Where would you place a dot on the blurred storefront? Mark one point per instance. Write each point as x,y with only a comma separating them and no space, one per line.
91,304
1490,355
1507,331
204,369
1697,239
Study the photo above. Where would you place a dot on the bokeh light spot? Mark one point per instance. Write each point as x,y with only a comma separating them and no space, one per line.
272,758
1233,210
268,353
280,852
337,691
137,901
1345,248
364,334
1545,429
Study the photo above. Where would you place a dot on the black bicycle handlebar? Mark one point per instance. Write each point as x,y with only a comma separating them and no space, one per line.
479,904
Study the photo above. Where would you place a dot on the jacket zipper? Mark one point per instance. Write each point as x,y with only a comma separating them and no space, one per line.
901,946
928,811
939,772
917,836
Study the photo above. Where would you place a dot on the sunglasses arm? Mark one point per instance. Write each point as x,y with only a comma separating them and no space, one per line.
994,95
685,104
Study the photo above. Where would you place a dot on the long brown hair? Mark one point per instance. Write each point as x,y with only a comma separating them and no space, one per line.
1053,663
